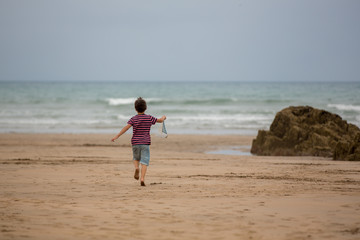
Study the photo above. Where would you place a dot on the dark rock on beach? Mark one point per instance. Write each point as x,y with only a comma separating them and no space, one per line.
307,131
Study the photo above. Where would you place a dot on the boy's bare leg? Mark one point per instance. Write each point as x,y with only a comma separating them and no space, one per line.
143,172
136,165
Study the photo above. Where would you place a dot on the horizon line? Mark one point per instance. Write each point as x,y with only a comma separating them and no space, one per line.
182,81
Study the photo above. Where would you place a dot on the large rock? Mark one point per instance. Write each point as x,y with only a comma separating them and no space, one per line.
307,131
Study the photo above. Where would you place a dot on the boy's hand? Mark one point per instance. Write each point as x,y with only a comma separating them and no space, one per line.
121,132
162,119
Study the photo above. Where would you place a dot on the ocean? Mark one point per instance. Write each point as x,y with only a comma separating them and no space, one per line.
191,108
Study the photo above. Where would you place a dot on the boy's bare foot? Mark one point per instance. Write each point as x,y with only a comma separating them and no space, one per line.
142,184
136,175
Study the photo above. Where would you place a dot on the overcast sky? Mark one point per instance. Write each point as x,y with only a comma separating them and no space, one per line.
180,40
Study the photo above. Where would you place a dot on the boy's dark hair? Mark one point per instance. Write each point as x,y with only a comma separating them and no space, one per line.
140,105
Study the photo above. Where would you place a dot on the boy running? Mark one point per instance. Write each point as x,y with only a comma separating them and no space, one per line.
140,140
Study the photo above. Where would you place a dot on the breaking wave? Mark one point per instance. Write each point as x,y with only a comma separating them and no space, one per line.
344,107
127,101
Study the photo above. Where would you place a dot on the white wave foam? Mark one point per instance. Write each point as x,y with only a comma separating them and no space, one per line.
344,107
120,101
230,118
123,117
54,122
127,101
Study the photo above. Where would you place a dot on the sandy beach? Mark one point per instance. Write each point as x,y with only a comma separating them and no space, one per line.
81,186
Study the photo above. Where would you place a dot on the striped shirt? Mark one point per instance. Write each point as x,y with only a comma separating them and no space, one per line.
141,128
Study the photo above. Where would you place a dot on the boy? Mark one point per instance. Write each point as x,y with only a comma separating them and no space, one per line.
140,140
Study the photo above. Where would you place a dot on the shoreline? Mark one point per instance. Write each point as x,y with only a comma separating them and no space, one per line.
81,186
212,132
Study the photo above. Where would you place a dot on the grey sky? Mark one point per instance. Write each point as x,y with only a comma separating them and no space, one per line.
168,40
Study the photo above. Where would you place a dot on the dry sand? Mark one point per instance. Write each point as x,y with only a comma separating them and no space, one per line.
64,186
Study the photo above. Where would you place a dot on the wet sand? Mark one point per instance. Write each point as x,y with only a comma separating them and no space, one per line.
81,186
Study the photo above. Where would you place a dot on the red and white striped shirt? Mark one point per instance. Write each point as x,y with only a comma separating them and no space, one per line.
141,124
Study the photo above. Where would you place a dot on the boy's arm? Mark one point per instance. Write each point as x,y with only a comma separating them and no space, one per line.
121,132
162,119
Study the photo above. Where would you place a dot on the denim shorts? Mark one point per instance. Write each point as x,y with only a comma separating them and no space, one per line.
141,153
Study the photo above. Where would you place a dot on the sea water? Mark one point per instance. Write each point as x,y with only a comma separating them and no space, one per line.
191,108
